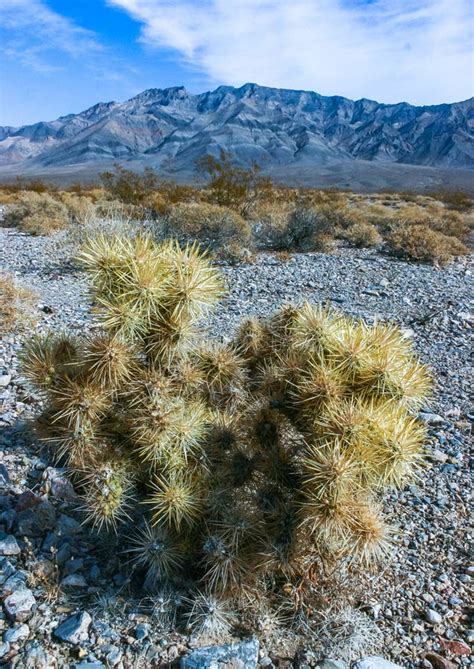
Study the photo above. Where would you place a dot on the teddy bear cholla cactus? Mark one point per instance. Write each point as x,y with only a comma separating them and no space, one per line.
246,463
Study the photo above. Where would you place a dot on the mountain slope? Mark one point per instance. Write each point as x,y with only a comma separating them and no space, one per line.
276,127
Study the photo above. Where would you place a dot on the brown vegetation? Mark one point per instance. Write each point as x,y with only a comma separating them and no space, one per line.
422,243
16,304
239,212
37,213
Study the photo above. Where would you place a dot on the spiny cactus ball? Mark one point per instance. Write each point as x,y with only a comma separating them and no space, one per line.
246,466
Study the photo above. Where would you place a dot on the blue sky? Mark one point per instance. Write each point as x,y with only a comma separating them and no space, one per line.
61,56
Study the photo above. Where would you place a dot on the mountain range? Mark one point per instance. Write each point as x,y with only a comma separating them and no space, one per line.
285,131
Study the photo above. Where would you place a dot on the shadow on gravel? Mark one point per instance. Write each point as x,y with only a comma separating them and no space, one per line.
63,561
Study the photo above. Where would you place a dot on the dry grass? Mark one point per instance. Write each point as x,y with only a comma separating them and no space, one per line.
363,235
291,220
421,243
16,304
217,228
37,214
80,208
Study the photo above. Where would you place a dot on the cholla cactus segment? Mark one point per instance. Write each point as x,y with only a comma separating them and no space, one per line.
78,400
46,358
107,497
331,471
176,501
157,550
248,465
110,361
209,615
196,285
314,328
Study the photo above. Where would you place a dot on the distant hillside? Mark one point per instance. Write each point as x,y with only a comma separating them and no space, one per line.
285,131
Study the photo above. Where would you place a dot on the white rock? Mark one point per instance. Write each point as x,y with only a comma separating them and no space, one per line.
5,380
19,605
433,617
375,662
9,545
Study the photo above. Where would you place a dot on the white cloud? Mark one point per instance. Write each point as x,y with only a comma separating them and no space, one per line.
39,37
390,50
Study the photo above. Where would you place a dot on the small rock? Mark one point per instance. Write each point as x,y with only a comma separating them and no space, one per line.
4,476
74,581
439,662
438,456
74,629
455,646
142,631
6,571
432,418
36,656
114,656
4,649
5,380
433,617
9,545
17,633
58,485
375,662
236,655
19,605
35,515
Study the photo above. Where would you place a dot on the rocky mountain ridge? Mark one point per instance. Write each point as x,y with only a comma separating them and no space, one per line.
170,128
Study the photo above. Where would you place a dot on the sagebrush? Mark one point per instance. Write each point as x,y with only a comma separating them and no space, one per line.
247,465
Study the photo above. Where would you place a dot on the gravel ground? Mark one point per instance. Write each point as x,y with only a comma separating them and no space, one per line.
420,600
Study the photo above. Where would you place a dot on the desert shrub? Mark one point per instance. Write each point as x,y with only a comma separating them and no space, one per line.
80,208
363,235
453,224
128,186
269,222
280,227
168,193
330,198
37,213
117,210
307,229
231,185
245,467
456,199
213,226
16,304
107,217
35,185
413,214
420,242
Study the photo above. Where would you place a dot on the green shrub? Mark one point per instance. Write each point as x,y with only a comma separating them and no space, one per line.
37,213
245,467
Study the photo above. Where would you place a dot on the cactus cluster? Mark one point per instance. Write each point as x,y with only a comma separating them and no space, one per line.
246,464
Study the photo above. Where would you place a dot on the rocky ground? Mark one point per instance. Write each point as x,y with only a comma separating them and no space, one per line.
67,599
